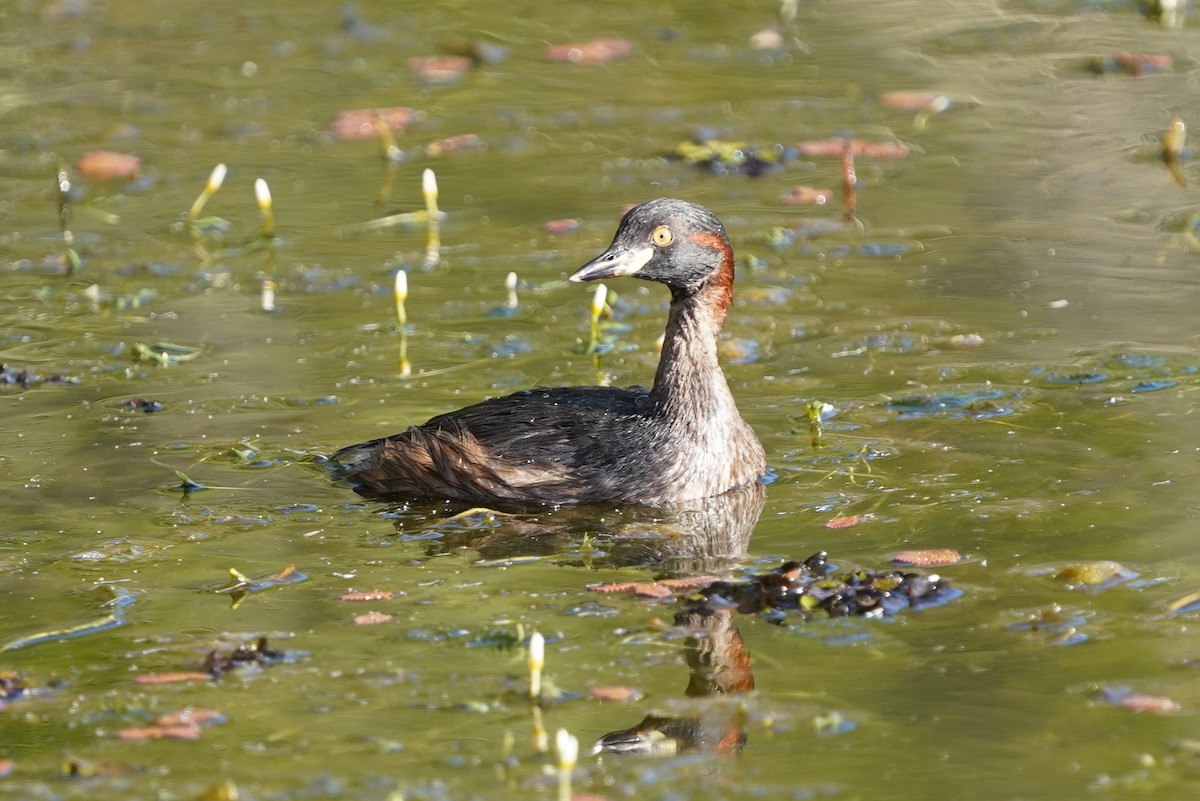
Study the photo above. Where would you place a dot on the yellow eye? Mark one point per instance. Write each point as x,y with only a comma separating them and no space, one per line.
662,236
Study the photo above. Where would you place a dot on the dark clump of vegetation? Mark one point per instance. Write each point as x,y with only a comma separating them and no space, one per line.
805,588
25,379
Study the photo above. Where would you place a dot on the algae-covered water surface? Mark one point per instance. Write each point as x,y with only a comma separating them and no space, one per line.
963,329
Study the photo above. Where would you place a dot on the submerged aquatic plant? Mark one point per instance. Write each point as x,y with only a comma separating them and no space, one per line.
215,179
63,186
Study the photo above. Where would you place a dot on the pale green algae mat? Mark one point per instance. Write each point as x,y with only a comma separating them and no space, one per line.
990,367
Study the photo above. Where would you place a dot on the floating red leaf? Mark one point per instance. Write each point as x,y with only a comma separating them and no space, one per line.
807,196
597,51
440,69
360,123
568,225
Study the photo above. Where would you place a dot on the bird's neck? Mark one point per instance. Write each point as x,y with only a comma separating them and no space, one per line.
689,381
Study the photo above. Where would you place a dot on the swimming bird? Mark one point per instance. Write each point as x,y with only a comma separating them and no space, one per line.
680,440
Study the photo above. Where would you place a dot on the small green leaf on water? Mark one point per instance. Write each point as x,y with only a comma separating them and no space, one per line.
186,483
1094,574
243,451
224,790
165,353
210,227
1188,603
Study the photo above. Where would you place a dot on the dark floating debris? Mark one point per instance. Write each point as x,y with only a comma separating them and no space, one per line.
804,588
1135,64
255,654
812,585
721,157
25,379
12,686
252,654
143,405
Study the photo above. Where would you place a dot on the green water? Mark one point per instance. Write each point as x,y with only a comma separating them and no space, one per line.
1036,221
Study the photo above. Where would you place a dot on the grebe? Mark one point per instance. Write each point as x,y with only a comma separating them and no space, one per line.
681,440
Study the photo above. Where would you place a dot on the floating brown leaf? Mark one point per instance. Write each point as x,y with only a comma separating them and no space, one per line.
108,165
171,678
662,588
1149,703
944,556
807,196
644,589
568,225
616,694
361,123
597,51
911,101
452,144
191,717
844,522
440,70
182,732
371,595
838,147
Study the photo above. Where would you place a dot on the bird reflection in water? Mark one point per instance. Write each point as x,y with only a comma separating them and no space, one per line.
704,536
718,665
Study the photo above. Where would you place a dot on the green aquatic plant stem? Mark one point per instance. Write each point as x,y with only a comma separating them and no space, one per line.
598,300
262,196
63,187
815,430
537,660
433,243
400,294
215,179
